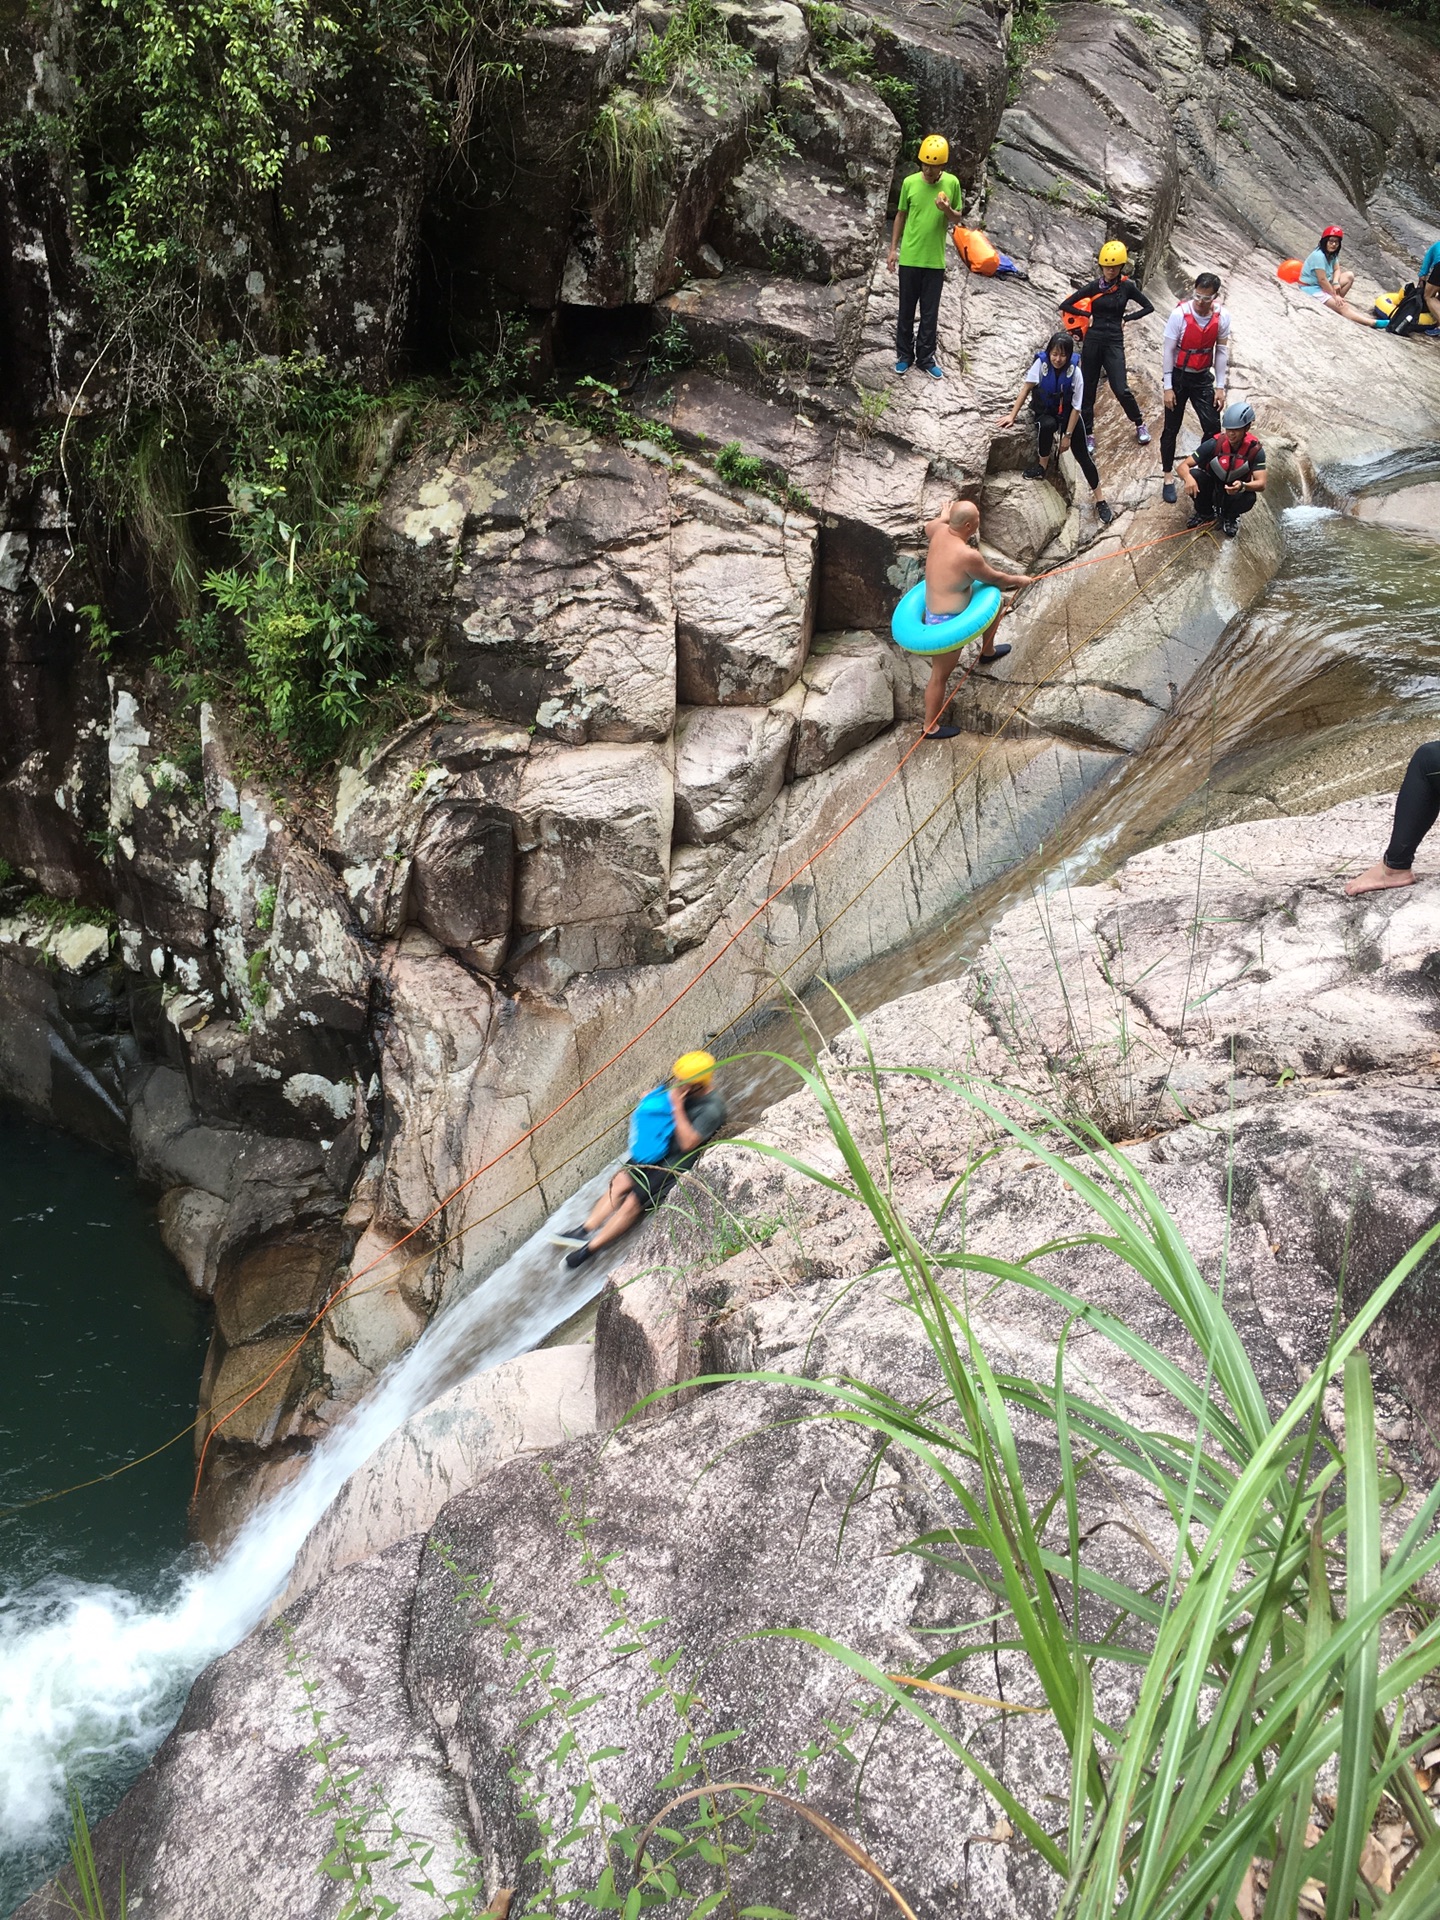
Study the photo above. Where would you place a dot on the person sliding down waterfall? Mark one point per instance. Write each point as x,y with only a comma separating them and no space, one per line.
1195,362
1417,807
1104,348
668,1130
1225,472
953,565
1054,387
917,249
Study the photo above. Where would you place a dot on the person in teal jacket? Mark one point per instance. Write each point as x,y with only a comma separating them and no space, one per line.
929,201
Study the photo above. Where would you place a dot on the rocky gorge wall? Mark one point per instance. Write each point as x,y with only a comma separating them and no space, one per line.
1271,1041
651,692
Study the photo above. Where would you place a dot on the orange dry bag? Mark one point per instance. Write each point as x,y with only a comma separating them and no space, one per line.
975,250
1078,322
1289,272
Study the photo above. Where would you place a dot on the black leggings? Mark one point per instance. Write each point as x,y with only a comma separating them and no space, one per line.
1417,806
1199,390
1213,500
1047,427
1105,353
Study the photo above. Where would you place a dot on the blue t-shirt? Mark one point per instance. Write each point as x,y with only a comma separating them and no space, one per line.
1320,260
1430,265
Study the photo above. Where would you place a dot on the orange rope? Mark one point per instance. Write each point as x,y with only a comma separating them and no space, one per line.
635,1039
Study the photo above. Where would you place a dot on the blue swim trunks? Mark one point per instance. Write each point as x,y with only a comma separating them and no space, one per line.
939,619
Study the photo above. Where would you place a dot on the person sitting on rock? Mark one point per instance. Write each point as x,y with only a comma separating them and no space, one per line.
1104,349
1194,363
1417,807
1225,472
1323,278
1428,280
667,1132
953,565
917,248
1055,386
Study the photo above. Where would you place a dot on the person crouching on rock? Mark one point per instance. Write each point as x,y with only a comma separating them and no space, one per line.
1417,807
1225,472
929,201
1054,386
1104,349
1194,362
953,566
1323,278
667,1132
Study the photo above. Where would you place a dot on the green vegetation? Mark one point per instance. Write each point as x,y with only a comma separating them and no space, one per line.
265,908
91,1904
1251,1654
842,48
1031,26
629,141
740,469
625,152
1258,66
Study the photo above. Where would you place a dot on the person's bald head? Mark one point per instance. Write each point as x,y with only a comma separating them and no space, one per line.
964,518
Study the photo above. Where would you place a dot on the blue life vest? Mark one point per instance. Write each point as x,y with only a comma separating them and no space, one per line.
1055,392
652,1129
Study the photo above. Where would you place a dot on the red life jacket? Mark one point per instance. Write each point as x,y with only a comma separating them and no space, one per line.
1198,341
1229,458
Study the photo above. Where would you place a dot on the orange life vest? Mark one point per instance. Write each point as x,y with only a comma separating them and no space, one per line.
1231,459
1198,340
1078,322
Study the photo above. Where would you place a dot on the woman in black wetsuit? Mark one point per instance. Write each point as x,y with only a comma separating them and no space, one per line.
1104,349
1417,807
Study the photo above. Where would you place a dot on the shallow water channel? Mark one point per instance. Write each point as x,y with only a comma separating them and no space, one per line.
1319,694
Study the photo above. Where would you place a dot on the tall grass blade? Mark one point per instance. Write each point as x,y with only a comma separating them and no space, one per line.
1362,1664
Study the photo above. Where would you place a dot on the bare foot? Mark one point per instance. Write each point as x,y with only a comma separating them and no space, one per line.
1378,876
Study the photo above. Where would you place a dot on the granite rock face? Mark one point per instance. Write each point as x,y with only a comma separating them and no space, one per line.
657,669
733,1517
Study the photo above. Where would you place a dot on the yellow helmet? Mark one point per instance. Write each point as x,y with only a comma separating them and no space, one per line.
934,150
694,1067
1113,254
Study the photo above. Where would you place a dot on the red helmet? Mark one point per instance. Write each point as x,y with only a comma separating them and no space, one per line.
1333,233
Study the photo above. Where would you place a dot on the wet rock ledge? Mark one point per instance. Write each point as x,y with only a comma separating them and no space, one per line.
1265,1049
653,690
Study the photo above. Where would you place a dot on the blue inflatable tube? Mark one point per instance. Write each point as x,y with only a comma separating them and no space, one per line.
909,630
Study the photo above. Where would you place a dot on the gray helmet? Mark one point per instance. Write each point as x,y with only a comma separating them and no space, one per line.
1238,416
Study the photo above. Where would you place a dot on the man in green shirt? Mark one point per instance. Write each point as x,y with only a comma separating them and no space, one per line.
929,201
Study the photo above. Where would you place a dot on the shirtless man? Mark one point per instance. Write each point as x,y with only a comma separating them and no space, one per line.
953,565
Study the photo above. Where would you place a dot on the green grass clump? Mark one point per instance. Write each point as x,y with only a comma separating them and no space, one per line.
1254,1658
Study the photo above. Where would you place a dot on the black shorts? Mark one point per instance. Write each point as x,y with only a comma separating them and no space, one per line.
650,1184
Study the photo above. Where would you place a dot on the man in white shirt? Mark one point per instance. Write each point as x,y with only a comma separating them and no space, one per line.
1195,364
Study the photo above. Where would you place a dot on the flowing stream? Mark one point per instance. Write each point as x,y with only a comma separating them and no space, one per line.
1319,694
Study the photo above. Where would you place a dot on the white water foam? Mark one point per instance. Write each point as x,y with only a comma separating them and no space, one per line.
92,1678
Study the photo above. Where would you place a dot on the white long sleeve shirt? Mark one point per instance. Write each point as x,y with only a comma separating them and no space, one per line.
1175,326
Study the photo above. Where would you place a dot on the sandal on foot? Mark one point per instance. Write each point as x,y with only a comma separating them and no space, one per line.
1002,648
942,733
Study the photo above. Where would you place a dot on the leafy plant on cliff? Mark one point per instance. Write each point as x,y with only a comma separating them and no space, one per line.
1247,1640
1031,25
92,1904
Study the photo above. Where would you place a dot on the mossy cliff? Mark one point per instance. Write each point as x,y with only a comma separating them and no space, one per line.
455,492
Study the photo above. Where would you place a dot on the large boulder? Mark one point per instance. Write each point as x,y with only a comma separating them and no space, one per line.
535,585
848,698
593,855
729,766
744,595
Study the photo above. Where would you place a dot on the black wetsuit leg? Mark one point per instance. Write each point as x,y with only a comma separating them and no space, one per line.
905,317
932,285
1417,806
1105,353
1196,390
1047,432
1047,427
